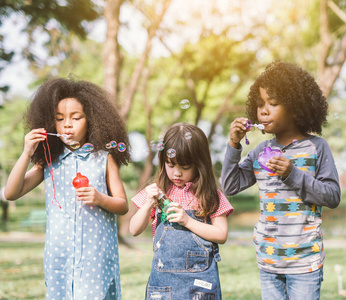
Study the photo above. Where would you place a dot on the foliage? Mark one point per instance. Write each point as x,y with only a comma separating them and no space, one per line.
82,62
12,133
69,14
5,59
209,53
334,131
56,20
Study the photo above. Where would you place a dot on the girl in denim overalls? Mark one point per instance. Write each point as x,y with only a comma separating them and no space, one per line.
186,242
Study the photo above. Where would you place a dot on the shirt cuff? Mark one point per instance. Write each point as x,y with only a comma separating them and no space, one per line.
295,178
234,155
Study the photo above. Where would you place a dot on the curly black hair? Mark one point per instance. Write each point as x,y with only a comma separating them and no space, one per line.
298,92
104,121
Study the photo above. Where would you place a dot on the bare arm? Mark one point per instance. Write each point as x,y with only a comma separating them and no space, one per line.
20,181
141,219
116,202
215,232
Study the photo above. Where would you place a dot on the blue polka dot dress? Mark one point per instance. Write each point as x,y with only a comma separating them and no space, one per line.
81,259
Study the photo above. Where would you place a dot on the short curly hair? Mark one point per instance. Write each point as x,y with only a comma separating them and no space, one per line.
298,92
104,121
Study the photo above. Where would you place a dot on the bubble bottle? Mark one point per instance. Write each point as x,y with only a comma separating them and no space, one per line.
165,203
80,181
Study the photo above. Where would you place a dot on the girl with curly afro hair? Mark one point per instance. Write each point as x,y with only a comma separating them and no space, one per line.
81,231
296,176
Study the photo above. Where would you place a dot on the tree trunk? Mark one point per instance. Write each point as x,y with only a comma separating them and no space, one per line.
131,88
329,65
112,58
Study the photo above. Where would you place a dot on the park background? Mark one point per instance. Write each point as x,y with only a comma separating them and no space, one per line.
151,54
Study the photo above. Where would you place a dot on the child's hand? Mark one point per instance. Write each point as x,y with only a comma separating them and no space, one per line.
237,131
89,195
179,216
32,140
152,191
280,165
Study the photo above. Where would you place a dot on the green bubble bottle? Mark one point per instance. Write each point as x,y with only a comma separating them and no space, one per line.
165,203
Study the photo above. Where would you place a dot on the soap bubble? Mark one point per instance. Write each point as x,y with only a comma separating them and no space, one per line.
161,137
121,147
114,144
88,147
73,144
160,146
171,153
188,135
152,143
184,104
295,142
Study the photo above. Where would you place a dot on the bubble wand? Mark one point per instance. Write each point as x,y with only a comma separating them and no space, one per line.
73,144
248,126
64,136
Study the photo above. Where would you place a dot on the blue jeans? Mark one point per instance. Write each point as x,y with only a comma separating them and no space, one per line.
306,286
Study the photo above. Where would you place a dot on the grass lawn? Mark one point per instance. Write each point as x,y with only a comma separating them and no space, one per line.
21,272
21,264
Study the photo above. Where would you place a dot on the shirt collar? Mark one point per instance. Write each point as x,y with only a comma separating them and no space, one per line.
186,187
79,152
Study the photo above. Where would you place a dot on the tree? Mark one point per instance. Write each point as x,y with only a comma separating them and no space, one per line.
113,56
220,50
333,43
56,19
5,58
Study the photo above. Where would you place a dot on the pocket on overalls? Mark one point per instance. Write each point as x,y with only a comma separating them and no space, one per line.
158,293
197,261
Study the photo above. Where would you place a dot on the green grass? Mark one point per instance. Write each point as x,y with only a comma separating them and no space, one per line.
22,277
21,267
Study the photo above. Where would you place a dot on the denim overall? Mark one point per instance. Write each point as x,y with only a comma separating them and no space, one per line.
184,265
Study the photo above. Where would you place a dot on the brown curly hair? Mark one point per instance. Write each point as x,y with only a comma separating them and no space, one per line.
104,121
298,92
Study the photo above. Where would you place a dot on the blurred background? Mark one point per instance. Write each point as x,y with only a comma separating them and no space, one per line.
152,54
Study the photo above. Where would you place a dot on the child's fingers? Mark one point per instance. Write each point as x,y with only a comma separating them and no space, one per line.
36,134
152,190
175,207
281,165
278,161
239,124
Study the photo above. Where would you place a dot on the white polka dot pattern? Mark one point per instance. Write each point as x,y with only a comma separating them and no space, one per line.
81,258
